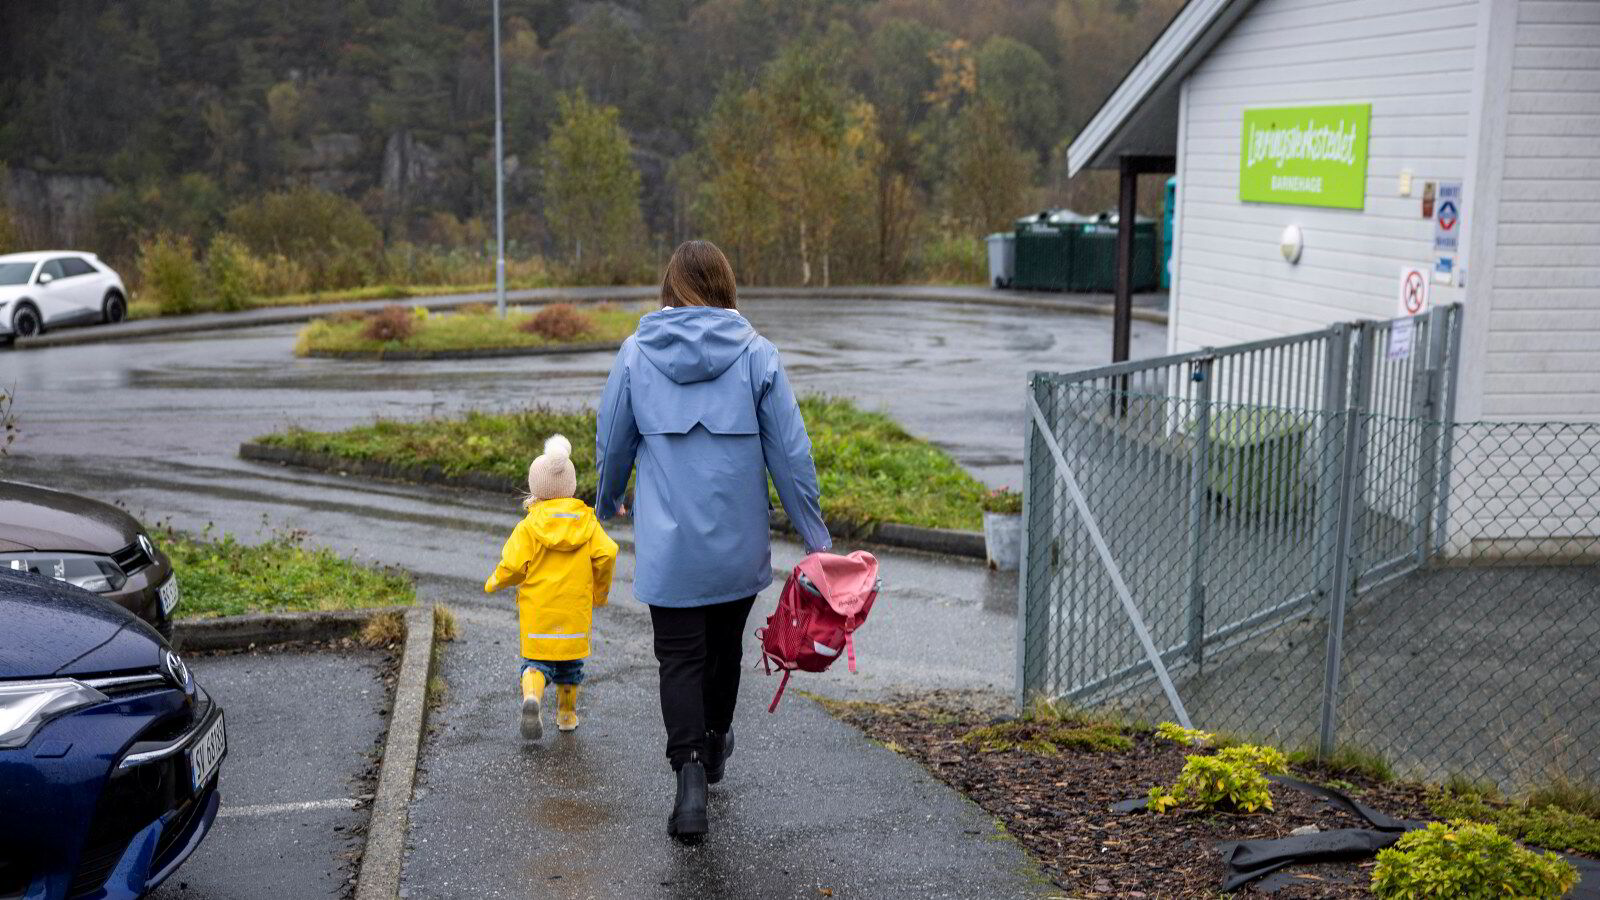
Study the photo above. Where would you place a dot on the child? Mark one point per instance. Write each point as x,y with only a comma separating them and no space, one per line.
563,561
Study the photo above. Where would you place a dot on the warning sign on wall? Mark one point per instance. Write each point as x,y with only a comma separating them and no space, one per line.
1413,290
1447,218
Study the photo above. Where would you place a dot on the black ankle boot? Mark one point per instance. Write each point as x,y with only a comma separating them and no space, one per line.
718,748
688,818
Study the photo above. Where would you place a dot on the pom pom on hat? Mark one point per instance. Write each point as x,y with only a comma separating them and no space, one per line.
552,476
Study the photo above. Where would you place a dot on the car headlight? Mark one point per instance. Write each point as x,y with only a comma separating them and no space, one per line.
90,572
26,705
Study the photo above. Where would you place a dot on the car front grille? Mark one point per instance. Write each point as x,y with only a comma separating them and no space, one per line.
132,558
136,796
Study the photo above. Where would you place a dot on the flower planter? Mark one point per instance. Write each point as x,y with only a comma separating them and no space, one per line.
1002,540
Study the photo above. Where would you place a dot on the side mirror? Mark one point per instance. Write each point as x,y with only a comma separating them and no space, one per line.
46,278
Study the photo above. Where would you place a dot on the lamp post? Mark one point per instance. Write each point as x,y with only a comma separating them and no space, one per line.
499,180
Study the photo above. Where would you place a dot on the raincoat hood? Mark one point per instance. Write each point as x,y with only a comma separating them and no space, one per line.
564,524
693,343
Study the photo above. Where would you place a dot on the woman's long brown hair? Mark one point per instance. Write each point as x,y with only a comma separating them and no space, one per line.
699,275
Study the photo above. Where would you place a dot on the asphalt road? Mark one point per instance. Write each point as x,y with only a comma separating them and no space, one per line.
809,804
951,373
291,811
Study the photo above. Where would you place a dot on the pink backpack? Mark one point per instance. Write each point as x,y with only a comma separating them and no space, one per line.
826,598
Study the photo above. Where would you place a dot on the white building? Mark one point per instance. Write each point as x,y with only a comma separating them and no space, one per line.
1263,107
1500,96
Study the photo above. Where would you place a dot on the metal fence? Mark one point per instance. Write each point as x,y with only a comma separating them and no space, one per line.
1292,539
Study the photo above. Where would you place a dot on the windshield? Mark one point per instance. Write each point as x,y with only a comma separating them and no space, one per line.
15,273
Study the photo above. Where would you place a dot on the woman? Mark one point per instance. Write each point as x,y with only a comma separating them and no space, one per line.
701,402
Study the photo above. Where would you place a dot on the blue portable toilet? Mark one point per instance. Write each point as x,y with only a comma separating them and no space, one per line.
1169,206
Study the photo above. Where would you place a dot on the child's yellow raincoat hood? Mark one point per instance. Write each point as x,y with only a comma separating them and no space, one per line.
562,560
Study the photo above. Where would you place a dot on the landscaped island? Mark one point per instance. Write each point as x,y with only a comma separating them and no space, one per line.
413,331
870,469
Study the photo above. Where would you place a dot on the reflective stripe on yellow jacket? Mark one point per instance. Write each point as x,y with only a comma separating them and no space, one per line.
561,559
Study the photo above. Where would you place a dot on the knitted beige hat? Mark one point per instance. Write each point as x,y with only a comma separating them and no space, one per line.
552,476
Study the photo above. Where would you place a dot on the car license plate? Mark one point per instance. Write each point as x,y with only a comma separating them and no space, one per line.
169,595
205,754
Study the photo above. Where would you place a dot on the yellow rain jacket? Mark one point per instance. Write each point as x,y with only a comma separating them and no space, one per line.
563,560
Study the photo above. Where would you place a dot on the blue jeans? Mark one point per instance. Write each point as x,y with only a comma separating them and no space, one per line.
556,671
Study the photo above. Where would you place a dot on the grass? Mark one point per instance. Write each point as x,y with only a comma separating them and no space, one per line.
222,576
870,469
1347,760
1047,727
465,329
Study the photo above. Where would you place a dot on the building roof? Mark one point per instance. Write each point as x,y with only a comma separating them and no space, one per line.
1140,118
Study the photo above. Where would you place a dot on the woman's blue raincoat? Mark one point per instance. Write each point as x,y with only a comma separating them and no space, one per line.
702,403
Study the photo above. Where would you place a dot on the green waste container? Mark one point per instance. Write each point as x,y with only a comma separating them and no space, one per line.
1093,263
1043,251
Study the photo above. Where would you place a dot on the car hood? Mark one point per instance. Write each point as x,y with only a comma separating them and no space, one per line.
57,629
37,518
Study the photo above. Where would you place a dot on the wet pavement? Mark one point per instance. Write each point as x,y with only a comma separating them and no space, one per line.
291,782
951,373
809,804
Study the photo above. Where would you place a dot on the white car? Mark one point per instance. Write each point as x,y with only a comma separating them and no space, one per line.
52,288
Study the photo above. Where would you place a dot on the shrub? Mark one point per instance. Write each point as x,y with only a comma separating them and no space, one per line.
1269,760
1004,501
560,322
476,309
392,323
1214,783
233,275
325,233
1189,737
1467,860
1543,824
167,269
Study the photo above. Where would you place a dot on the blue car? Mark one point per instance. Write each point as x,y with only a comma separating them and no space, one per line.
109,751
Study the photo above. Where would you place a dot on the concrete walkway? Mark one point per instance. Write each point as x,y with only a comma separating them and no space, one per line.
1147,307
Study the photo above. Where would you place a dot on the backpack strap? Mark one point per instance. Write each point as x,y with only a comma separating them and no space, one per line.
850,651
779,695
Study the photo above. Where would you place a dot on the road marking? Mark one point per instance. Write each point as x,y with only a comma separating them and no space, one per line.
272,809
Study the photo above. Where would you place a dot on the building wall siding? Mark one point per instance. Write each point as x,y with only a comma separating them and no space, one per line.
1414,63
1542,355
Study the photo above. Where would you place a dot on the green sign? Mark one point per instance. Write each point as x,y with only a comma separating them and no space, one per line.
1305,155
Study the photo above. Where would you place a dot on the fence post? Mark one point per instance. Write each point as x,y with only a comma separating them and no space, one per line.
1199,513
1029,536
1335,398
1350,490
1447,418
1425,408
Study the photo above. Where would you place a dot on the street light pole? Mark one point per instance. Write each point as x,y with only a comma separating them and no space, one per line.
499,180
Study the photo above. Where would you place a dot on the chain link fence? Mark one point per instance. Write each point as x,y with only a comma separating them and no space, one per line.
1292,540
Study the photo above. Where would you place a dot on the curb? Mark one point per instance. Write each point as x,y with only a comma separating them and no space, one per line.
475,353
240,632
943,541
384,855
137,329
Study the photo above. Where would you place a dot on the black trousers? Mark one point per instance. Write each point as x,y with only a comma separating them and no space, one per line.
698,649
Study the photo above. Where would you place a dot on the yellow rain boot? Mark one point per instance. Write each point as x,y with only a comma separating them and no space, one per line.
532,697
566,707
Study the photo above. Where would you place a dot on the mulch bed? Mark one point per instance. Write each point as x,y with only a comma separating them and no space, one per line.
1059,807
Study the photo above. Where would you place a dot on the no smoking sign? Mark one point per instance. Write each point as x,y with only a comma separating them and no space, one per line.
1413,290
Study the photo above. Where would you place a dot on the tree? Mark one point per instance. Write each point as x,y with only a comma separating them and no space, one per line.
591,186
790,163
989,172
1017,80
